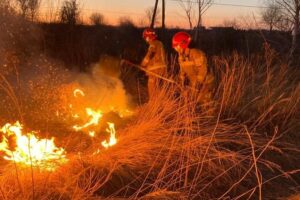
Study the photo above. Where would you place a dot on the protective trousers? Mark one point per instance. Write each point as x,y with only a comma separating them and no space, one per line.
154,83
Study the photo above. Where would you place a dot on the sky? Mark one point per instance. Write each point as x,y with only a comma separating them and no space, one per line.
113,10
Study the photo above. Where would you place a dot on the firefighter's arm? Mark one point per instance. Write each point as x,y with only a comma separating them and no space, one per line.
182,74
148,56
188,64
185,62
181,77
201,65
163,56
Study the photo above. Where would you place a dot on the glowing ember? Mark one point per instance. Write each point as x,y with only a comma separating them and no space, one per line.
78,92
30,150
95,117
92,133
125,113
112,139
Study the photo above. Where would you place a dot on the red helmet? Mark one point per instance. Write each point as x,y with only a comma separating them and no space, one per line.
149,33
181,39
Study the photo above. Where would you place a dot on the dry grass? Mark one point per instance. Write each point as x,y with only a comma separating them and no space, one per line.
175,148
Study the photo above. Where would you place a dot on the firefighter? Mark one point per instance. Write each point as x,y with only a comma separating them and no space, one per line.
154,61
193,66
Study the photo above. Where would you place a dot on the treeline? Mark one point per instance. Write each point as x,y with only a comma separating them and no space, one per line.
81,45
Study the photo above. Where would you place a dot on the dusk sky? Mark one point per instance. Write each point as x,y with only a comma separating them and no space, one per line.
135,9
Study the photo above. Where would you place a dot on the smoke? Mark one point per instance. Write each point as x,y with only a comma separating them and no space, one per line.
45,93
103,90
37,89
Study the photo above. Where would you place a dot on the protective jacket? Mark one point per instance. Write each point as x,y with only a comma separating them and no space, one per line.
193,65
154,61
155,57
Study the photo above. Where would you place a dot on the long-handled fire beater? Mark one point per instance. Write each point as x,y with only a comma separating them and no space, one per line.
149,72
157,75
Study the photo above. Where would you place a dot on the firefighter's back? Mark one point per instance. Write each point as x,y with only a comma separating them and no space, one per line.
158,59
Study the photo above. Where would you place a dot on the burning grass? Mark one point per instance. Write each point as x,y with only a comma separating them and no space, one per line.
175,148
28,149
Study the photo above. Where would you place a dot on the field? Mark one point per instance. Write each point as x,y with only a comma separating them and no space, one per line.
243,144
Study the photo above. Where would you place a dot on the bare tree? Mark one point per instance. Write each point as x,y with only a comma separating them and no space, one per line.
291,8
28,8
163,14
53,11
233,23
203,6
126,22
187,6
6,7
69,12
97,19
285,24
23,6
272,15
154,14
33,8
149,15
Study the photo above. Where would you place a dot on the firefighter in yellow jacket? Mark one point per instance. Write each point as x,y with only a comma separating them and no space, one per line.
154,61
193,65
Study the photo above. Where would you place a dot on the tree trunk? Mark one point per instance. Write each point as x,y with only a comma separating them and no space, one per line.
199,23
191,24
271,26
154,14
295,32
163,14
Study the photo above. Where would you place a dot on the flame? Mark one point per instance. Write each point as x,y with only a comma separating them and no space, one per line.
30,150
95,117
92,133
125,113
77,92
112,139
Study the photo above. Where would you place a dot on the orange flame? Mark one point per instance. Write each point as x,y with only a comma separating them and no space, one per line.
92,133
29,149
77,92
112,139
95,117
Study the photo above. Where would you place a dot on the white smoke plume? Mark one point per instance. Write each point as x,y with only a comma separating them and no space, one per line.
102,87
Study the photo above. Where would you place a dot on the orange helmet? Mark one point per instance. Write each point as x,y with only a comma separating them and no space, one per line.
149,33
181,39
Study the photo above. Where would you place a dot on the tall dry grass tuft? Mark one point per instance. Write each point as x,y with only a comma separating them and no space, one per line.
176,148
261,90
